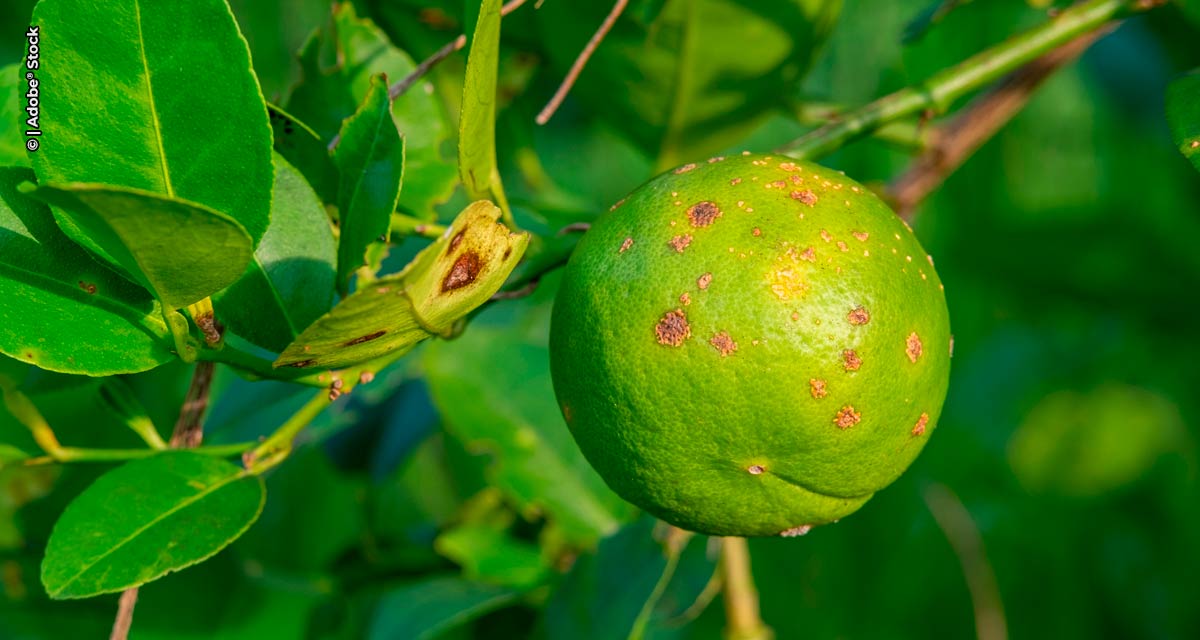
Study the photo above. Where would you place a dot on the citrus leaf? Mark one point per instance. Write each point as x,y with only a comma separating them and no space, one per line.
494,556
446,281
615,593
370,161
1183,113
181,251
492,387
12,89
425,609
289,282
327,96
477,123
302,147
63,310
131,80
690,78
147,518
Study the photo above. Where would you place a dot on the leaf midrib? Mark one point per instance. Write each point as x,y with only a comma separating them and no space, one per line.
140,530
158,138
361,170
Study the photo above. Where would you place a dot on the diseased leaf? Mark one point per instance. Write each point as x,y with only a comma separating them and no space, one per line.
1183,113
446,281
424,609
62,309
147,518
477,123
330,92
304,150
492,386
370,162
130,81
692,77
181,251
289,282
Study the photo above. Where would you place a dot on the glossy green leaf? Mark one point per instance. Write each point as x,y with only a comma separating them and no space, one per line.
304,150
633,586
370,162
491,555
181,251
12,115
63,310
289,282
331,91
492,385
425,609
692,78
147,518
446,281
477,122
129,85
1183,113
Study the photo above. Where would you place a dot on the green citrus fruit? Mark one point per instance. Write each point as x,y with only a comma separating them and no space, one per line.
750,346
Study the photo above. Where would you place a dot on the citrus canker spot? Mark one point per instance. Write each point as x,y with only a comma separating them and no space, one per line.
861,236
723,343
685,168
455,241
685,298
679,243
625,245
465,270
919,428
88,287
367,338
805,197
703,214
912,346
847,417
796,531
703,281
673,328
817,388
755,469
858,316
850,360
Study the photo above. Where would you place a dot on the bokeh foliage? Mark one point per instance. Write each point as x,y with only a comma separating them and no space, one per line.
446,498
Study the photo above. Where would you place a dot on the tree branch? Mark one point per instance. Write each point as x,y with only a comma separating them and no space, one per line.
954,142
955,522
547,112
945,87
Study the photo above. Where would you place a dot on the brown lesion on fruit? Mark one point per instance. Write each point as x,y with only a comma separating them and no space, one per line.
673,328
464,271
787,284
703,281
703,214
685,168
796,531
685,298
808,254
88,287
912,346
850,360
919,427
817,388
679,243
861,236
625,245
826,236
842,246
788,166
367,338
755,469
735,182
617,204
847,417
756,232
858,316
805,196
723,342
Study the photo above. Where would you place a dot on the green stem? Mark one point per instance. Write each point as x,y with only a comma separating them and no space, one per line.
180,331
742,619
941,90
65,455
23,409
908,134
261,367
405,225
278,445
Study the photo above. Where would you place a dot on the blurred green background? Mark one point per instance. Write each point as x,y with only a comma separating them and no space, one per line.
1057,500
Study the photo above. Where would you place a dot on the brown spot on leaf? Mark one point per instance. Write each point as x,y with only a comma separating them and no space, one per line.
367,338
365,377
703,281
455,241
912,346
466,268
723,343
919,428
507,253
703,214
806,197
302,364
755,469
334,394
847,417
796,531
88,287
673,328
858,316
617,204
850,360
817,388
679,243
625,245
